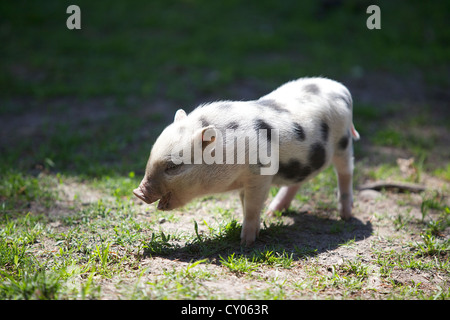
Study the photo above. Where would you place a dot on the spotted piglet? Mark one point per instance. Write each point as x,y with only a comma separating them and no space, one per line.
284,138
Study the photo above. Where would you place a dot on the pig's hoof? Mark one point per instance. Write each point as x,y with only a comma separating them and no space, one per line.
346,213
248,237
345,209
248,242
270,213
277,213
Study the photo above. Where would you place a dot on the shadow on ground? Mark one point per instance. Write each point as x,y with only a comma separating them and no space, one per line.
304,236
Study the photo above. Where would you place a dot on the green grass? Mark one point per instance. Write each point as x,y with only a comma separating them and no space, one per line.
243,264
164,41
415,142
443,172
239,264
44,258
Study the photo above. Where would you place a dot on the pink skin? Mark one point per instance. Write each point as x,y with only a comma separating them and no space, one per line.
142,193
283,199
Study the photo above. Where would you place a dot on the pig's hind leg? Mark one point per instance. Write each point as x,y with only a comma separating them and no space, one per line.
343,164
283,199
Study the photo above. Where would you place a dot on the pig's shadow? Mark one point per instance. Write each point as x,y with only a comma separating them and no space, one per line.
308,235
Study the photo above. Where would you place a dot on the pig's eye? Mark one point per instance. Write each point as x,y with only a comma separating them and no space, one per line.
172,167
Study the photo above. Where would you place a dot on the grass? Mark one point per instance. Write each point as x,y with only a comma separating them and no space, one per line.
163,42
416,142
243,264
79,111
443,172
239,264
43,258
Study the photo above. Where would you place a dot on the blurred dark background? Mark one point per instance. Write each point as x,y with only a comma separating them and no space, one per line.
91,101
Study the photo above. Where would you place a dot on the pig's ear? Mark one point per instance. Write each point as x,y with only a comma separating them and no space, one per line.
179,115
206,135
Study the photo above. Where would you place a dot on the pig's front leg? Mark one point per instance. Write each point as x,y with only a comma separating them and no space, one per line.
253,198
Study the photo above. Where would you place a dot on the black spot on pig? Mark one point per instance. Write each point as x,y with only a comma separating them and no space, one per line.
204,122
311,88
260,124
317,156
345,97
324,128
232,125
219,104
343,142
225,105
294,170
272,104
299,132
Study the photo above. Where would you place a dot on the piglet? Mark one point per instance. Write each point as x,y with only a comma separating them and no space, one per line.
284,138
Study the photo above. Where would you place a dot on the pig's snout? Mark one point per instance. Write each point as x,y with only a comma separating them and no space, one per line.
142,193
138,193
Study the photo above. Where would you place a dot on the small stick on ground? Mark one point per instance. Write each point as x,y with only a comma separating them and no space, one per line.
399,186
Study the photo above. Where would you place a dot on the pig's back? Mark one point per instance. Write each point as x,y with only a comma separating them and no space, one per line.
311,114
305,99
